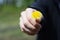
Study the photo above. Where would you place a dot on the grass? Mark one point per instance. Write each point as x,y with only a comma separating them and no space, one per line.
9,24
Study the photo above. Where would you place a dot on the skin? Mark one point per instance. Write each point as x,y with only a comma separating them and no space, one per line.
27,24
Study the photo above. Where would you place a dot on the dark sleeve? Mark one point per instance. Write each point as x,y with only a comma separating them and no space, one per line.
40,5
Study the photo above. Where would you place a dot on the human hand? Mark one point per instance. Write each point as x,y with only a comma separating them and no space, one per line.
28,24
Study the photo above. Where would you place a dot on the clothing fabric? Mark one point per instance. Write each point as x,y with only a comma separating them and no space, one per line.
51,23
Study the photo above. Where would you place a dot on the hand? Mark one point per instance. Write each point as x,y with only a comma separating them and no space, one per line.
27,24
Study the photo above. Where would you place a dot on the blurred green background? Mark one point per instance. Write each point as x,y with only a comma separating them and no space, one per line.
9,19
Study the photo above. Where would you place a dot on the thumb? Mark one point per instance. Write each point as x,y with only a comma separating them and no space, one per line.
39,20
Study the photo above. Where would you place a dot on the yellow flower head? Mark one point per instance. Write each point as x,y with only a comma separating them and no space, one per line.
36,15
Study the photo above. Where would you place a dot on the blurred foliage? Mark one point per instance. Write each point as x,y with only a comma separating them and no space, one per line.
9,20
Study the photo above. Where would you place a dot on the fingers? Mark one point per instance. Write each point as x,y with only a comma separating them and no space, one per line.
25,20
23,27
26,30
21,24
27,24
30,19
29,13
29,33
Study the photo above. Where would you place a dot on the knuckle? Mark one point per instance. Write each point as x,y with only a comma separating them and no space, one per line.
29,18
29,33
22,13
20,19
32,33
34,29
25,23
35,24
